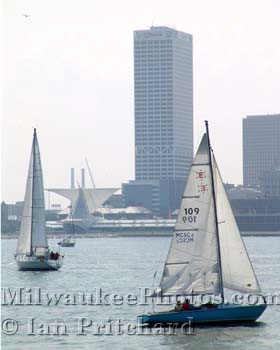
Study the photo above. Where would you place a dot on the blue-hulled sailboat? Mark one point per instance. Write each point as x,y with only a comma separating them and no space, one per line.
207,254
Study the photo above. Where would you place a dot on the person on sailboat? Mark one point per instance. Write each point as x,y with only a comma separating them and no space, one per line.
178,306
186,305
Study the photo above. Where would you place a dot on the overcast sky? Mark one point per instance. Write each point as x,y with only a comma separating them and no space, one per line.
68,70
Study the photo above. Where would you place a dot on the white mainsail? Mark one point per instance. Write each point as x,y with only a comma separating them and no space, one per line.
33,231
192,264
200,252
237,270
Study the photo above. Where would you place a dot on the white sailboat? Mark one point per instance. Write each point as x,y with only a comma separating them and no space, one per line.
207,253
69,241
32,249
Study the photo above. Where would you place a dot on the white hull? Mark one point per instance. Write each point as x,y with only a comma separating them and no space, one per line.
35,264
67,244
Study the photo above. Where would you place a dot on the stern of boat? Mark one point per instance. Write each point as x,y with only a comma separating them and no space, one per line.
143,319
34,263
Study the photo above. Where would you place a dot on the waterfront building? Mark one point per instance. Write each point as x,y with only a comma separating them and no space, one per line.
261,145
257,215
270,183
163,114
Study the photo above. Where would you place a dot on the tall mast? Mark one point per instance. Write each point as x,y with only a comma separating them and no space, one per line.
215,208
33,173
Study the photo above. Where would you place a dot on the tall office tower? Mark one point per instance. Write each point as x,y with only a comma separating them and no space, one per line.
163,110
163,93
261,147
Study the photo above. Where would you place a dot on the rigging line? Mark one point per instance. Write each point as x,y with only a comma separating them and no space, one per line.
210,155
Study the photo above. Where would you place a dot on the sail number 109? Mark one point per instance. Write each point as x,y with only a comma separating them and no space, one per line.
190,215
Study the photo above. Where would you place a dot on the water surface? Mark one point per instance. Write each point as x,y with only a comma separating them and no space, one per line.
122,265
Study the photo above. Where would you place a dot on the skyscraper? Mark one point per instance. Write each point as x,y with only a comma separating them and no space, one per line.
261,147
163,111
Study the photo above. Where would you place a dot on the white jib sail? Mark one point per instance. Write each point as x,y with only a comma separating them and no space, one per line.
192,262
237,270
32,231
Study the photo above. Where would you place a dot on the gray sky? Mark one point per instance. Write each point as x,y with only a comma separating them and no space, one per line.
69,72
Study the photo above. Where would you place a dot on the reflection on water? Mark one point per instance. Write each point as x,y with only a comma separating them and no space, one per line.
121,266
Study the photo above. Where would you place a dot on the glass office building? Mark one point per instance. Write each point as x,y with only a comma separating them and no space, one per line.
163,92
261,147
163,111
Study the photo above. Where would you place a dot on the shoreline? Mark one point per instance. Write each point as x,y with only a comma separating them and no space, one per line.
60,235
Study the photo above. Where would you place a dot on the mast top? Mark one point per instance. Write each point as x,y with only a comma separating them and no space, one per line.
207,132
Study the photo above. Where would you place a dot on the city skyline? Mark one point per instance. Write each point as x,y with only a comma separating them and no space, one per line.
60,77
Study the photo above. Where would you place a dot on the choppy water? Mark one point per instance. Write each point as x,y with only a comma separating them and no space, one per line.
122,265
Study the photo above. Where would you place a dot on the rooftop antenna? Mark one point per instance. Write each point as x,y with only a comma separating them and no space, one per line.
90,175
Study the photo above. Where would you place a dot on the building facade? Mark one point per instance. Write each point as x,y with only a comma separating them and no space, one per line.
257,215
261,146
270,183
163,111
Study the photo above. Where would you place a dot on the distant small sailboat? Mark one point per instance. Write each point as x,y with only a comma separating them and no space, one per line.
69,241
32,249
207,253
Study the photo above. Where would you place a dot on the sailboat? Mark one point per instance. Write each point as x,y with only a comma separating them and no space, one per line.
207,255
32,250
69,241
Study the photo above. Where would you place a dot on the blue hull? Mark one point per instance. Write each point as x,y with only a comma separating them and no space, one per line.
220,315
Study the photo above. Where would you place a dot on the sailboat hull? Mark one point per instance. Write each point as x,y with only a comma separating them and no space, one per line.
67,244
35,264
223,314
